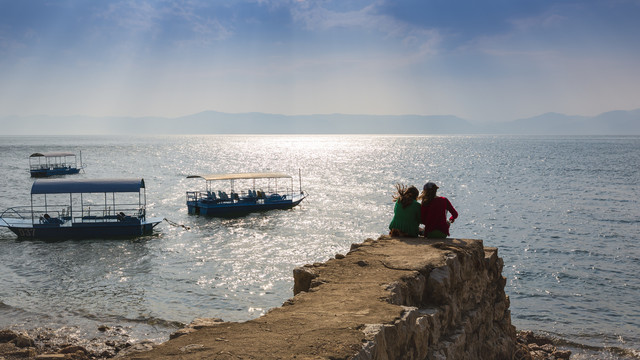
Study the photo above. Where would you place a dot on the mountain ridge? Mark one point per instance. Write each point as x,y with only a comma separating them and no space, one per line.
616,122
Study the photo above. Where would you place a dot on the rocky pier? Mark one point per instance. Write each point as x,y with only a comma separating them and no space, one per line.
389,298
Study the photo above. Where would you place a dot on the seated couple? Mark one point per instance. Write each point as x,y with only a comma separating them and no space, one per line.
408,213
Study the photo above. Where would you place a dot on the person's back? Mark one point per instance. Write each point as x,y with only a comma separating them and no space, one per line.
406,213
434,212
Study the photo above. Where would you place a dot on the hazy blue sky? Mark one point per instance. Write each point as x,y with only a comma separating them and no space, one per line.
480,60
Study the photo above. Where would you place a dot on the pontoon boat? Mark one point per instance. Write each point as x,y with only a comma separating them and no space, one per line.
217,202
54,163
68,209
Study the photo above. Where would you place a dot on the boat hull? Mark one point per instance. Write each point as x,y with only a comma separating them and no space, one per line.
85,231
54,172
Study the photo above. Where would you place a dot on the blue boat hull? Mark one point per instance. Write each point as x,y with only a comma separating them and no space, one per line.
238,208
54,172
84,231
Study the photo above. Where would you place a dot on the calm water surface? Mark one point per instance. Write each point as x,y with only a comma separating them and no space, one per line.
563,212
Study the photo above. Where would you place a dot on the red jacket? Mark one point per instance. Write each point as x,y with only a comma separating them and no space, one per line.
434,215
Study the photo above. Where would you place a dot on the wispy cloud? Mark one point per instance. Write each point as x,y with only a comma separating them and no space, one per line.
180,23
315,17
415,42
135,15
486,59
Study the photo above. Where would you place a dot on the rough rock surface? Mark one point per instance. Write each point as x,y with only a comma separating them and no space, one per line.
48,344
391,298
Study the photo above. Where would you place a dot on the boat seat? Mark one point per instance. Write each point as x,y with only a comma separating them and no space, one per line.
46,219
130,219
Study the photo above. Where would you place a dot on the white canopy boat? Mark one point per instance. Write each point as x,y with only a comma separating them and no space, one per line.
214,201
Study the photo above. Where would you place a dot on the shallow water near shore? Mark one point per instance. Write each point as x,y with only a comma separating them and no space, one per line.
563,212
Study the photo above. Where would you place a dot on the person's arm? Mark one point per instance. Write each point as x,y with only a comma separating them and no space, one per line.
395,208
452,211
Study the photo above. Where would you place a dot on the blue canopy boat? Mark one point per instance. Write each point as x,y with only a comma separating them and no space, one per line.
69,209
54,163
236,203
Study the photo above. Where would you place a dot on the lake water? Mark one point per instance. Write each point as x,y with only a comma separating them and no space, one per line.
563,211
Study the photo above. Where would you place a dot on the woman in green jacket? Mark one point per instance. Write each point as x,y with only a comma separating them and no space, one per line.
406,212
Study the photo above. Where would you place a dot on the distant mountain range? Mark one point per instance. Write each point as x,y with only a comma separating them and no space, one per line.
609,123
212,122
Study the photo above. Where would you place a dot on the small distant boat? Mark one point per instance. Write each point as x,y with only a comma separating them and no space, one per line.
216,202
70,209
54,163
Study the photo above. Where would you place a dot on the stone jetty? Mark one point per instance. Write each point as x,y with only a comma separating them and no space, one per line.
389,298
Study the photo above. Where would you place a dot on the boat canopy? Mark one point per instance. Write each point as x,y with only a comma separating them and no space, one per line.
86,186
263,175
52,154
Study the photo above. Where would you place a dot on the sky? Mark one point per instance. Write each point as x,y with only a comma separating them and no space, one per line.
491,60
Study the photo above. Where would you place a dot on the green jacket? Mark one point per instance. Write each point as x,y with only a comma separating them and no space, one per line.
406,219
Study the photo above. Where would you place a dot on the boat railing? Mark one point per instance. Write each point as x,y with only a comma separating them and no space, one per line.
16,212
123,213
50,166
24,214
47,214
248,196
